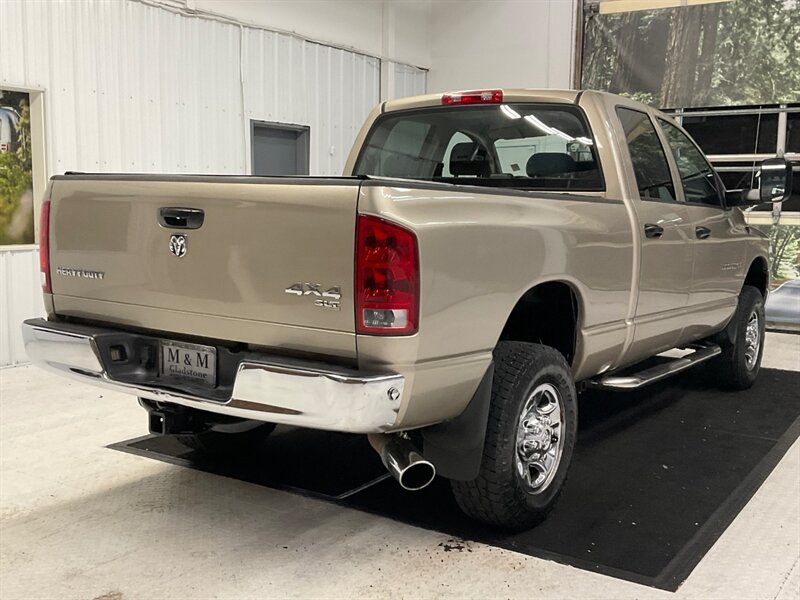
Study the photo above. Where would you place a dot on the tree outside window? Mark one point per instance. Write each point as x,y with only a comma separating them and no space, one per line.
16,175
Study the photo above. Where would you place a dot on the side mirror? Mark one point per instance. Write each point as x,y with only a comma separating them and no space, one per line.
776,180
775,185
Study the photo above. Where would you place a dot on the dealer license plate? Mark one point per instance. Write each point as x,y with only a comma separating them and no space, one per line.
191,362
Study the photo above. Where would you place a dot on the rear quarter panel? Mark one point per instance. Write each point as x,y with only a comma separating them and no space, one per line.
480,251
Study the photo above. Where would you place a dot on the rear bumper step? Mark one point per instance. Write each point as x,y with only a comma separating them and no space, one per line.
651,375
263,387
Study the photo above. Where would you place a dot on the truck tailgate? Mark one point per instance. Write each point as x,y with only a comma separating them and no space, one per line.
265,267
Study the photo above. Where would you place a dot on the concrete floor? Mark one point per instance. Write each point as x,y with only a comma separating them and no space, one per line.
80,521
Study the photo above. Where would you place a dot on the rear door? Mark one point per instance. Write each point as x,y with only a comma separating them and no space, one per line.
665,270
264,261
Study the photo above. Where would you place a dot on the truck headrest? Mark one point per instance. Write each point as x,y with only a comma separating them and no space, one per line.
550,163
465,160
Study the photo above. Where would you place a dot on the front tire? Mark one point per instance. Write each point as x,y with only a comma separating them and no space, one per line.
740,361
530,438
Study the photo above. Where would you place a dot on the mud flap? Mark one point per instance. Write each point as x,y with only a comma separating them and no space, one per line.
727,337
455,447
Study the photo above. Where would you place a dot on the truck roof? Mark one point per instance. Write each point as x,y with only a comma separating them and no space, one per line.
509,95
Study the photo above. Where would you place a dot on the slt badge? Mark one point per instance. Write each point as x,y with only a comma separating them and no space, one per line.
177,245
329,299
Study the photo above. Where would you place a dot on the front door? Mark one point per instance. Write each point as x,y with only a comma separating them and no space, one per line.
717,235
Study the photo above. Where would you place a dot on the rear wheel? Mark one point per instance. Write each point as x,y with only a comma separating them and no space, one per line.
530,438
740,361
227,444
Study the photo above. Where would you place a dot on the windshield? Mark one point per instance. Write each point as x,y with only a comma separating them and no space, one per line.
526,146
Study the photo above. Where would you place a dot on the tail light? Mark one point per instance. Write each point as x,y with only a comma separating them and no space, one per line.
44,247
387,278
473,97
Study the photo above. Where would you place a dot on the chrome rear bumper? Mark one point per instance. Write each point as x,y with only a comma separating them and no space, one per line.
264,388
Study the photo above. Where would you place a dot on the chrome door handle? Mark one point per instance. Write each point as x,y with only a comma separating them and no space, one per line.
652,230
702,232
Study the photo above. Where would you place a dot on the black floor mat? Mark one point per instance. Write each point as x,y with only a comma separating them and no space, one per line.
657,476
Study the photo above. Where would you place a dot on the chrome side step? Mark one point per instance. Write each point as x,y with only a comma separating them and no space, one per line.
647,376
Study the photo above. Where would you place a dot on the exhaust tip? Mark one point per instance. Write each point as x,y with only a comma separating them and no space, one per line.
403,461
417,475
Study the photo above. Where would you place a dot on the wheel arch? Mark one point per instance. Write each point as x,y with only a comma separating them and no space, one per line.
561,302
456,446
758,275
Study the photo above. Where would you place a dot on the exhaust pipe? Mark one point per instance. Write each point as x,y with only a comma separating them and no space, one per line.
403,460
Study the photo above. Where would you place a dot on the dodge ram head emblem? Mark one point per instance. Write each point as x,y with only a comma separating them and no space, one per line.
177,245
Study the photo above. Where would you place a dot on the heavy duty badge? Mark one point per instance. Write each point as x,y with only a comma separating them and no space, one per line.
82,273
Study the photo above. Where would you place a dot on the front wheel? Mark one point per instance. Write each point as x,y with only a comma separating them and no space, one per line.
740,361
530,438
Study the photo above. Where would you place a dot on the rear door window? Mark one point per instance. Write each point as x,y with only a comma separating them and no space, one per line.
650,164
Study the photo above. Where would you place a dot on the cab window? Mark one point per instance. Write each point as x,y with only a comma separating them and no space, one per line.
697,177
525,146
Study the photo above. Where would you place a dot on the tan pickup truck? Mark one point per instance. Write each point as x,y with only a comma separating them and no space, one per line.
487,255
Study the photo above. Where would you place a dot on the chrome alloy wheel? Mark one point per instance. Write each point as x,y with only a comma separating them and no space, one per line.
540,442
752,340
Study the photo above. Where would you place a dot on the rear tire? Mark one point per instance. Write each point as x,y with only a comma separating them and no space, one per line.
225,444
530,438
738,365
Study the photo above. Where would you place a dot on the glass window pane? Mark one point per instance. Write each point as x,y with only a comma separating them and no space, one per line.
793,132
647,155
16,169
734,134
793,203
738,180
697,176
523,146
458,138
402,147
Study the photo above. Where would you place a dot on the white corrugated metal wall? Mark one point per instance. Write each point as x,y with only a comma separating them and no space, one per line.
137,88
132,87
409,81
290,80
20,299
